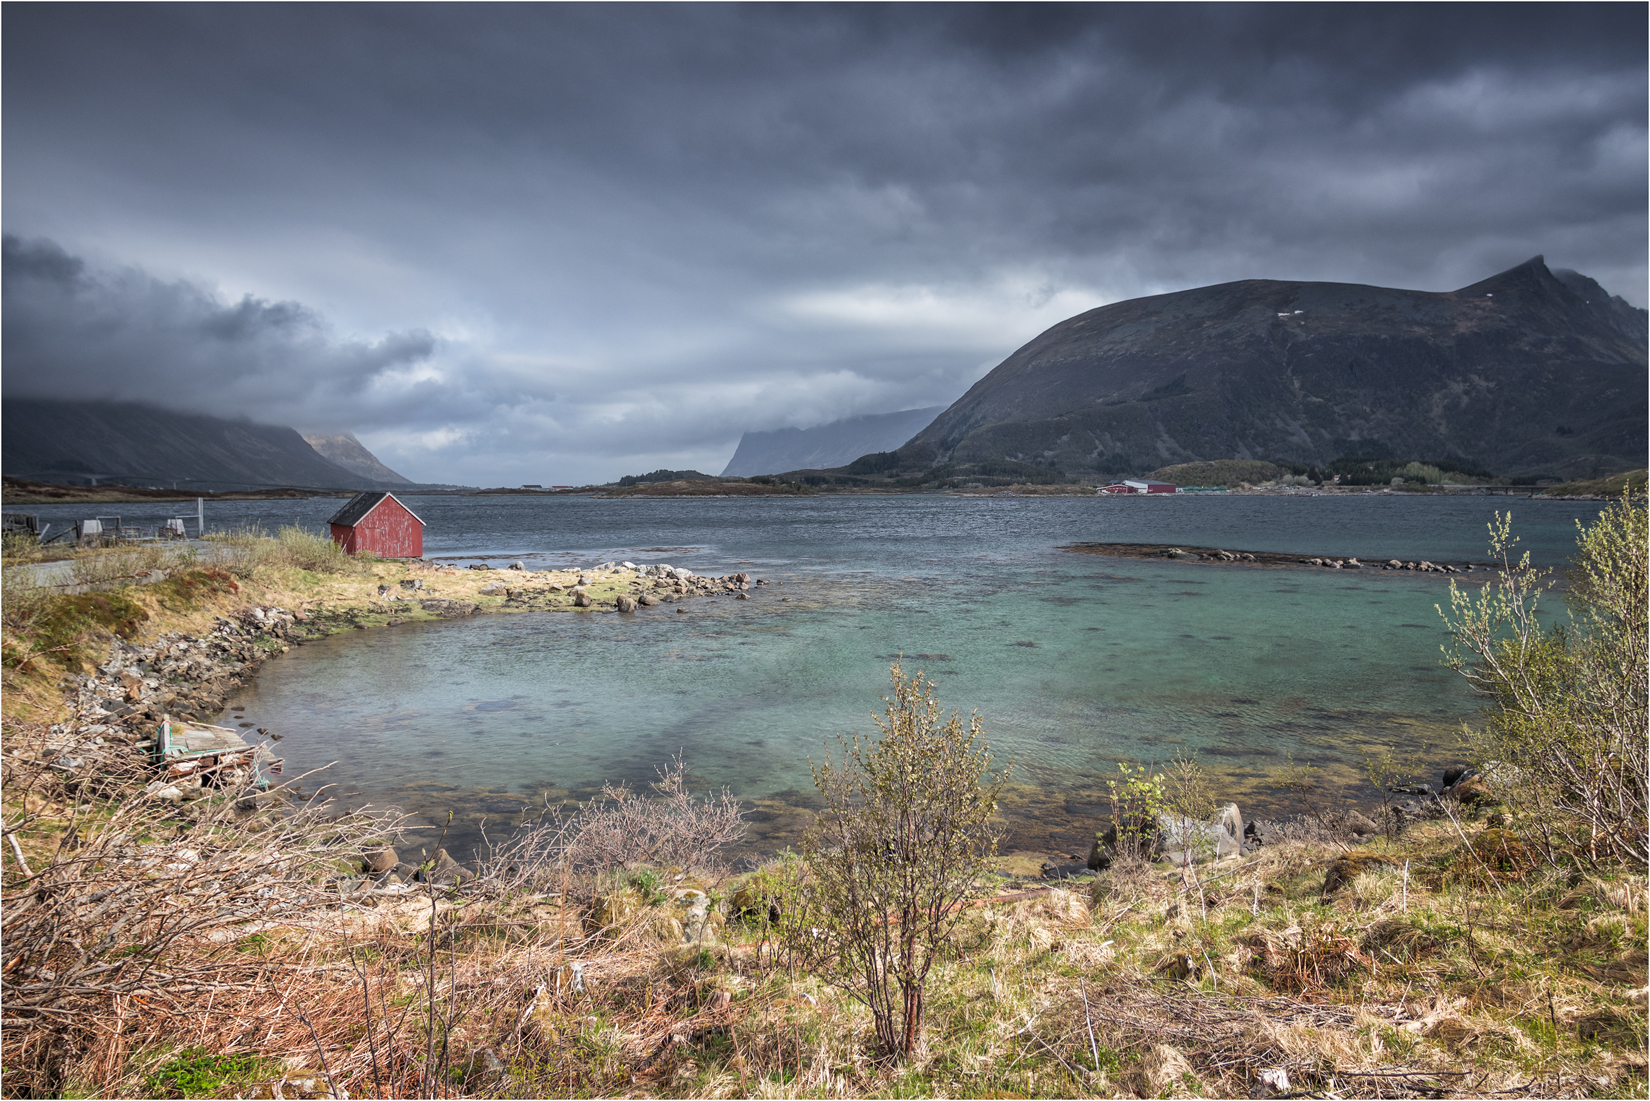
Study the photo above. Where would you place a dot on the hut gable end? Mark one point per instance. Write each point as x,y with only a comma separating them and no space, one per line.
375,522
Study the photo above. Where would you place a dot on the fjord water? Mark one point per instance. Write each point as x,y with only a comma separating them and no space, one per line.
1074,661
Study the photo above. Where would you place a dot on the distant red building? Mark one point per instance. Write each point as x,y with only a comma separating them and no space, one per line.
375,522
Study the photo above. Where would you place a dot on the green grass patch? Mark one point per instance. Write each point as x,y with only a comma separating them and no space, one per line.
194,1072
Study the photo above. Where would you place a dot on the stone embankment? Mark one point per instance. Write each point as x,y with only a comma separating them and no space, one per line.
116,710
1262,558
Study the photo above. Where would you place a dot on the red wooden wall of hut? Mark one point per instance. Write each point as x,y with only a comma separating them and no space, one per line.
377,523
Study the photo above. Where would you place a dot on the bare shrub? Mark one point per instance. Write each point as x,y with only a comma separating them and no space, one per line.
906,830
131,898
125,563
23,597
621,829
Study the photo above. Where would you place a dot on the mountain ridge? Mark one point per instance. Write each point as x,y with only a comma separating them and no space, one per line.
81,442
1526,372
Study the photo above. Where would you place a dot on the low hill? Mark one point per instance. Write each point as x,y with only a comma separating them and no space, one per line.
1528,373
826,445
85,443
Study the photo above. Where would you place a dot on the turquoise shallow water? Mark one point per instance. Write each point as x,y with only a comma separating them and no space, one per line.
1074,661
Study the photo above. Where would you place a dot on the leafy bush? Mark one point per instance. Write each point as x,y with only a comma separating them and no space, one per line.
1565,706
905,831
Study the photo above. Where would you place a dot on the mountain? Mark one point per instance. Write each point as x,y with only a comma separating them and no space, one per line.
826,445
75,443
1530,372
346,451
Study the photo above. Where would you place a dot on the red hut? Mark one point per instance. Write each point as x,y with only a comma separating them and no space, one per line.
375,522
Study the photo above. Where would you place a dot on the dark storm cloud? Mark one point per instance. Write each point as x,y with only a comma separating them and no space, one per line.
636,231
125,336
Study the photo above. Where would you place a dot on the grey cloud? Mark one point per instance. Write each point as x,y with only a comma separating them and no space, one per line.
74,332
637,230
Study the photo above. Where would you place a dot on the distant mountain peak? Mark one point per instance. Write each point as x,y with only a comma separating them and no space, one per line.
345,450
826,445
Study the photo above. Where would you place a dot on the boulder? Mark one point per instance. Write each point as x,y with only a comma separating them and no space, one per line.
743,596
1360,825
518,565
625,603
1455,775
1184,838
647,600
445,871
379,861
581,599
1471,792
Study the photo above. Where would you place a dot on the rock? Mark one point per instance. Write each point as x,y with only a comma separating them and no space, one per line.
379,861
681,611
1271,1082
406,583
743,596
647,600
1455,775
1471,792
517,566
1222,837
480,566
742,578
584,579
1052,870
492,590
625,603
1348,866
581,599
445,871
1230,819
1359,824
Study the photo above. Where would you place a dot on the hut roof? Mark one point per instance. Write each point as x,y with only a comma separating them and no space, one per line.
363,503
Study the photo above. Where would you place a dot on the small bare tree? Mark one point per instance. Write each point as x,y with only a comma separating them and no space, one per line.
906,830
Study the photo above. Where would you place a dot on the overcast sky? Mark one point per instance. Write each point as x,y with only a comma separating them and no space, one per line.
560,243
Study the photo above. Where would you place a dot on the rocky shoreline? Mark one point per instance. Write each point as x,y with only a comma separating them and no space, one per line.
116,710
1216,556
